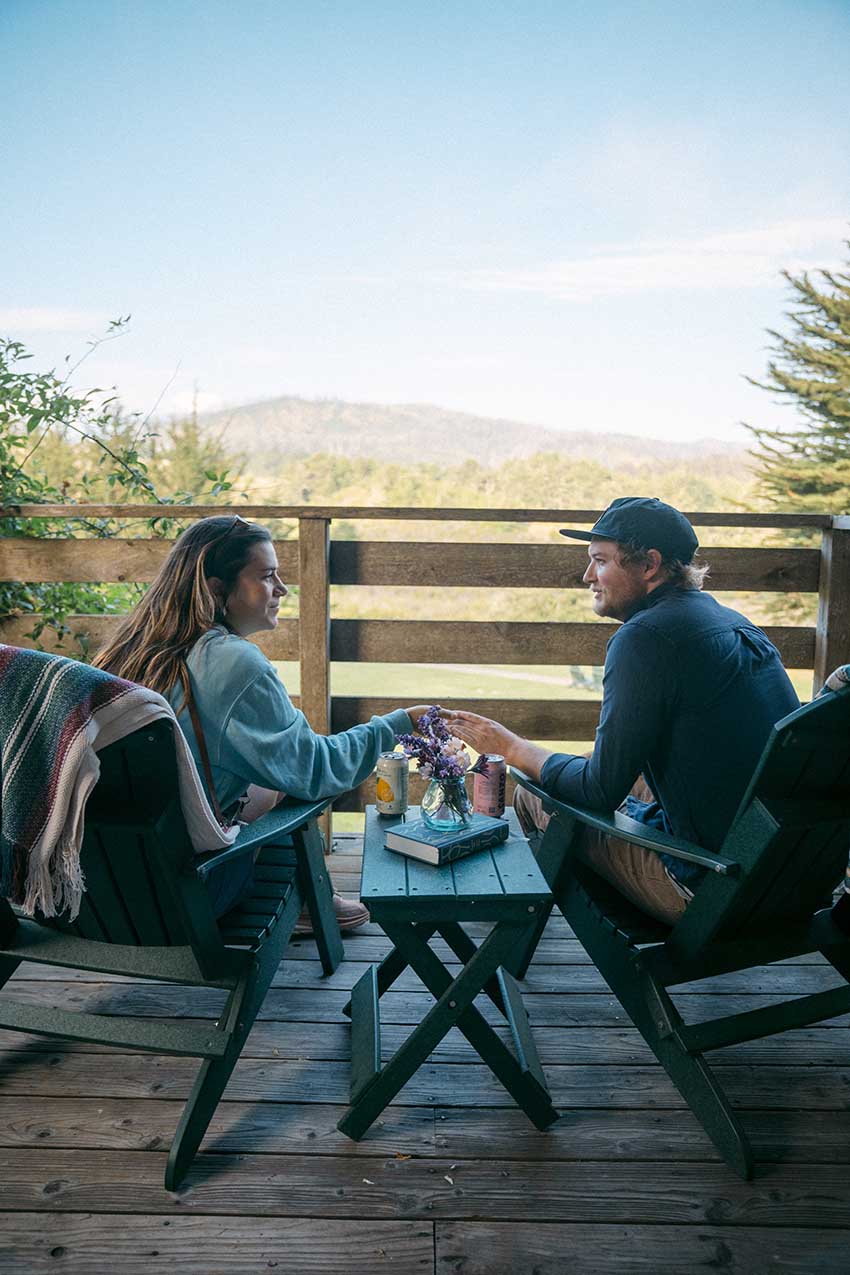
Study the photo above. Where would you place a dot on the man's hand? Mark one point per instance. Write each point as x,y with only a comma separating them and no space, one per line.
487,736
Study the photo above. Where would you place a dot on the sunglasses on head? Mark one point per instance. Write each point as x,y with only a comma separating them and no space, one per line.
237,519
216,545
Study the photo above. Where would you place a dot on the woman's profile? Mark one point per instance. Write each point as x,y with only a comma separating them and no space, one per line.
186,639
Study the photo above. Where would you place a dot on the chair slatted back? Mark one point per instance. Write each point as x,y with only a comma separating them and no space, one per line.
792,832
136,849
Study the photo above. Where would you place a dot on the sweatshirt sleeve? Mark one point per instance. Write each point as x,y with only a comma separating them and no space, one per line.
637,691
268,740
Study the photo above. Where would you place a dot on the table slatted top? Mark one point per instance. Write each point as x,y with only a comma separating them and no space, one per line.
503,883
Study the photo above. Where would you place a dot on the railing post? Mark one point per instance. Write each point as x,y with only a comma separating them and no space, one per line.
832,638
314,629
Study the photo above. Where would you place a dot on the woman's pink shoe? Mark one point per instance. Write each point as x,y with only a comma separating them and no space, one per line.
350,915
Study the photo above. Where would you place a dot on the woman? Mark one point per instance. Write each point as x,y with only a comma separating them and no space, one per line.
186,639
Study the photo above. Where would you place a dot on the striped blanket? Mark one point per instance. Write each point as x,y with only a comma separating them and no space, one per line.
55,713
838,680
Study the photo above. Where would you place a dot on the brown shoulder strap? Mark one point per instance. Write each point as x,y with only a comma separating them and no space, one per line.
202,749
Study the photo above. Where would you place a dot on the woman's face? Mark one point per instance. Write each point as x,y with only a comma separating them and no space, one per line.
252,604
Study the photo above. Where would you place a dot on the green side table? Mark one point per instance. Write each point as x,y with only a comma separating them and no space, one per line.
412,901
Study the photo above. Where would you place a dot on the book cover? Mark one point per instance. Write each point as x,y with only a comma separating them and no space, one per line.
419,841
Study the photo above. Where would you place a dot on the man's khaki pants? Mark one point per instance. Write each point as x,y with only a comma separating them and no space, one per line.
637,873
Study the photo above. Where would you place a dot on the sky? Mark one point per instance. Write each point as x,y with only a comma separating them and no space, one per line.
566,213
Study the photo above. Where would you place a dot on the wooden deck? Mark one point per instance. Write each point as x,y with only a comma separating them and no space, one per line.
453,1179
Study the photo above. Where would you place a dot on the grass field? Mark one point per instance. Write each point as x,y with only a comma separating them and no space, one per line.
423,682
419,683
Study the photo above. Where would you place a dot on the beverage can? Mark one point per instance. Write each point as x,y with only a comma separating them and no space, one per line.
391,777
488,794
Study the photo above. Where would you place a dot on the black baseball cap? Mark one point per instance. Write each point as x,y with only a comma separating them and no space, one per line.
647,522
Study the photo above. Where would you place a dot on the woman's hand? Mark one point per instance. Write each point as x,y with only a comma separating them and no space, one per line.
487,736
417,711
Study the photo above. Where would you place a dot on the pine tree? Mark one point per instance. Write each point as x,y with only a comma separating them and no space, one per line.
808,468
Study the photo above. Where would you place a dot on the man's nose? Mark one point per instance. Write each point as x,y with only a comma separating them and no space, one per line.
590,574
280,589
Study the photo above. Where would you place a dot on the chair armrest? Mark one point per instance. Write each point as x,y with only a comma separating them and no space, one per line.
633,831
280,821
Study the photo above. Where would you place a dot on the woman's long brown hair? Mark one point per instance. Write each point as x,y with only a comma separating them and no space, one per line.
150,646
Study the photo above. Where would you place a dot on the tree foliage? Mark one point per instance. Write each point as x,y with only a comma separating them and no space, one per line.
807,468
62,446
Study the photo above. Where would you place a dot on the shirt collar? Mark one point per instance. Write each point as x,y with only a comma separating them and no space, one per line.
651,599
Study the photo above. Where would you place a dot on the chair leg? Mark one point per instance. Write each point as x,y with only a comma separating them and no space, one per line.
8,965
839,958
318,895
238,1017
209,1085
695,1081
553,861
653,1013
8,929
8,924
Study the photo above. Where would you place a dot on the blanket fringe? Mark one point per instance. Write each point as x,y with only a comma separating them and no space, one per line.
56,885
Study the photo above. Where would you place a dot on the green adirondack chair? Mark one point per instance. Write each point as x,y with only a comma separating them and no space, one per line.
146,914
767,897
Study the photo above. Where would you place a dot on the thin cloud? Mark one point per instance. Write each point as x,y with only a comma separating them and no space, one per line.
50,319
739,259
184,401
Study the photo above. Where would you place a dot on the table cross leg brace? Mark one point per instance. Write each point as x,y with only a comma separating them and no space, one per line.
453,1008
391,968
393,965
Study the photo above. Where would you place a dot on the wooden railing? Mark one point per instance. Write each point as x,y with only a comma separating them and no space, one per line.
315,562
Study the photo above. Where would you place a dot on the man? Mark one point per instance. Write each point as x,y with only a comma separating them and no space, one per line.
690,692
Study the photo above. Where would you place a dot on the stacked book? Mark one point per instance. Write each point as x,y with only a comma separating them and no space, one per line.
418,841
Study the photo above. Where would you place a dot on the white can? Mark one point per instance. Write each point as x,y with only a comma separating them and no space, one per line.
391,777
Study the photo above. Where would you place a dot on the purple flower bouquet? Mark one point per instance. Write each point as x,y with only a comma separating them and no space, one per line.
443,760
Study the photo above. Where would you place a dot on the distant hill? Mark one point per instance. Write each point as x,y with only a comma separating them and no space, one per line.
289,427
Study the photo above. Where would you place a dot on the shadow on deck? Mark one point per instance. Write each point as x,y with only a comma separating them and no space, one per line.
452,1178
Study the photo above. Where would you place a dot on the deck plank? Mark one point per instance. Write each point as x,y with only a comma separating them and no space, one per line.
486,1248
92,1244
557,1008
797,1195
54,1073
330,1041
456,1133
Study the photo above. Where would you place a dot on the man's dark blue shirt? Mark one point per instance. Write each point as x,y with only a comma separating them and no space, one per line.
690,692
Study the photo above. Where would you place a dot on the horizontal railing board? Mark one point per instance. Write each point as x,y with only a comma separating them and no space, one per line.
533,718
425,641
280,644
110,561
507,642
384,563
468,642
503,566
410,513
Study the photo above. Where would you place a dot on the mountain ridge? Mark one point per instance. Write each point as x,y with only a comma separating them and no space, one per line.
291,426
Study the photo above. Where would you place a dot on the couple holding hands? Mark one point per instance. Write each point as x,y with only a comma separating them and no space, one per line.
690,692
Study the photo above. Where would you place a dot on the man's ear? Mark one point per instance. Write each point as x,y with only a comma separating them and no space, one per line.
653,566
